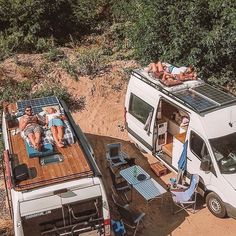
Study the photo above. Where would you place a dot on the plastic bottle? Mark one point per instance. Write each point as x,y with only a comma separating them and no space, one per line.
173,182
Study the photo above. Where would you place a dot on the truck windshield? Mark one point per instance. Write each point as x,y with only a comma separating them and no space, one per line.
224,149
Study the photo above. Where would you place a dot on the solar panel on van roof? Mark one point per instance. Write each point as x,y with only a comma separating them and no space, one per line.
214,94
37,103
198,102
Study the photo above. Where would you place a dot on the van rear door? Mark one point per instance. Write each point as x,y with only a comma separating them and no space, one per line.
139,118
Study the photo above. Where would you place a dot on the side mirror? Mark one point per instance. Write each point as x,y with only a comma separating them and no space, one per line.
205,165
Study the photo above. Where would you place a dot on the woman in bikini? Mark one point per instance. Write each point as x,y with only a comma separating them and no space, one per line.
54,120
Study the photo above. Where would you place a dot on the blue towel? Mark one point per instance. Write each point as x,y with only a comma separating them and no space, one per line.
47,149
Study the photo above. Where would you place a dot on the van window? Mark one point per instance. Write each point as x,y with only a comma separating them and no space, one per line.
224,149
139,109
198,146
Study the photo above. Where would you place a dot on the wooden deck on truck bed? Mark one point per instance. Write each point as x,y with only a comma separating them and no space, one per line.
74,164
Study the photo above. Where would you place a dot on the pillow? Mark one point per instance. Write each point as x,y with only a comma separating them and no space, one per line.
55,107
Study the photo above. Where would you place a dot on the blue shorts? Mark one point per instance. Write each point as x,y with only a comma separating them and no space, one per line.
56,122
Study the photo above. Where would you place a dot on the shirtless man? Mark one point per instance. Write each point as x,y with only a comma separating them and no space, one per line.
30,125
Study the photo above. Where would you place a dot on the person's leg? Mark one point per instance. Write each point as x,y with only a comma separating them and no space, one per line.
153,68
38,136
38,139
31,137
60,130
55,134
166,76
159,66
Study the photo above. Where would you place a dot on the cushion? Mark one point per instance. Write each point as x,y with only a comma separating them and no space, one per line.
47,149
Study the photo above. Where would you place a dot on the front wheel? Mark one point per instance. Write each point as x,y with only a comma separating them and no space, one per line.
215,205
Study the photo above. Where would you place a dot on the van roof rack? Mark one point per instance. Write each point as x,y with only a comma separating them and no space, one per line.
199,97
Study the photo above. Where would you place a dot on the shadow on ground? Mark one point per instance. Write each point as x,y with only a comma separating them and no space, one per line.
159,219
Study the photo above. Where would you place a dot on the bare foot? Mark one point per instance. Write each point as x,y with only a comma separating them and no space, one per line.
60,145
38,146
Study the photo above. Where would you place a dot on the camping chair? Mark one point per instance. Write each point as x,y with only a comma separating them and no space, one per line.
131,218
119,185
185,197
115,157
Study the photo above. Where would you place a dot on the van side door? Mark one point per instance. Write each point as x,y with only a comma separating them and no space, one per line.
140,122
198,150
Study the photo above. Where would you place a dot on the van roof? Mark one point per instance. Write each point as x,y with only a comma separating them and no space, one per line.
196,94
76,161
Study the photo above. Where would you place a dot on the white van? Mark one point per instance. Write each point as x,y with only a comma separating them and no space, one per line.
60,193
159,119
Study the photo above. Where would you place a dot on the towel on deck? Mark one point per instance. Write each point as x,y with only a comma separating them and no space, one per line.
47,149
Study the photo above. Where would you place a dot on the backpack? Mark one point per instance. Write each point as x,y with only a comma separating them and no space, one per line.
118,227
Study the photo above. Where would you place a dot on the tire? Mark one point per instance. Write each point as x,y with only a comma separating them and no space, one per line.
215,205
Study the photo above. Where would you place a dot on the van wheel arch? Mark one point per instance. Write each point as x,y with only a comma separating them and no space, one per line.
215,205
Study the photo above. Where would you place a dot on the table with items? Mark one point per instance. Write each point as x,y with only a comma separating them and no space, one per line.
141,181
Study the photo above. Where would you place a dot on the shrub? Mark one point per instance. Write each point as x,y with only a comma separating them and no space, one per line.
90,61
70,68
12,91
54,55
44,44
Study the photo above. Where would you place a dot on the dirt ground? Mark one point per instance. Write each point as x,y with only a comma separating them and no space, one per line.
102,120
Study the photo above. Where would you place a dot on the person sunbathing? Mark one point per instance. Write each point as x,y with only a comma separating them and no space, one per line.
189,74
30,124
54,121
180,73
157,68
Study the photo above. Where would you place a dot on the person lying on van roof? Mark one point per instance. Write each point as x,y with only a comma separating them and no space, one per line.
157,68
181,73
169,71
54,120
30,125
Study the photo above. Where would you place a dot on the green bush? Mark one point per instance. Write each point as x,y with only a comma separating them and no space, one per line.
90,61
44,44
54,55
12,91
202,33
70,68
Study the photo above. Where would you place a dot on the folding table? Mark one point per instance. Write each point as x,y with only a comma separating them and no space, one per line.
148,187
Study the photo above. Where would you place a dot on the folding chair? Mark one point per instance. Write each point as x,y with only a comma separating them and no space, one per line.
119,185
185,197
130,217
115,156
